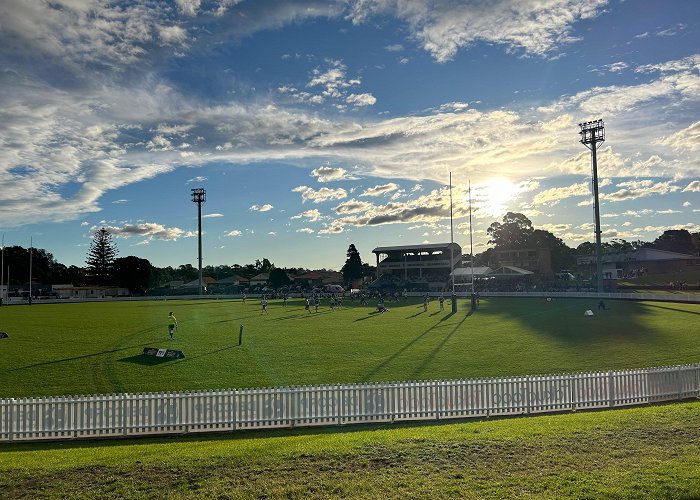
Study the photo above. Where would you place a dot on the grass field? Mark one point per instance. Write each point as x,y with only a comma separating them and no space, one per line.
649,452
90,348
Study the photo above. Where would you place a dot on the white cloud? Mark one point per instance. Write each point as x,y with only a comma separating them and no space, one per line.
209,216
553,196
639,190
312,215
352,207
554,228
306,230
361,99
189,7
261,208
444,27
397,47
321,195
234,233
616,67
694,187
172,35
687,204
150,230
199,178
119,202
686,139
380,189
328,174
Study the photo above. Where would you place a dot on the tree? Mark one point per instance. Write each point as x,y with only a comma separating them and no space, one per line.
100,258
675,240
515,231
352,269
263,267
561,255
278,278
132,273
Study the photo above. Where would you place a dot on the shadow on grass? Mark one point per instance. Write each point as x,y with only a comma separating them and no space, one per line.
431,355
302,315
209,353
563,319
398,353
672,309
146,360
84,356
371,315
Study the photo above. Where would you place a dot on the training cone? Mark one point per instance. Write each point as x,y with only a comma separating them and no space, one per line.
588,313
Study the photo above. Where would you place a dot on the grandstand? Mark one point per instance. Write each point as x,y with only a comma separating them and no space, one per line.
424,267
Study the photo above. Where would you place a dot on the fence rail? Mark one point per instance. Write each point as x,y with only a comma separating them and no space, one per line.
32,419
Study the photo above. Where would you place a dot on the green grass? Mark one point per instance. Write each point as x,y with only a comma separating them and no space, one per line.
691,276
646,452
90,348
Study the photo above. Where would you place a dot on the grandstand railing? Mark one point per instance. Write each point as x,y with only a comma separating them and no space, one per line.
130,415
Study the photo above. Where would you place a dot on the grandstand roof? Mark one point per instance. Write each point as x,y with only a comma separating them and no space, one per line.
417,248
467,271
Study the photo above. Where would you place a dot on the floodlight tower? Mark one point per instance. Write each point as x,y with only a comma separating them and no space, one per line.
199,196
592,136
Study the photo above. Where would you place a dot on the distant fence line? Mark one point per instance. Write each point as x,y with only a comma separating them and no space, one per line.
130,415
656,297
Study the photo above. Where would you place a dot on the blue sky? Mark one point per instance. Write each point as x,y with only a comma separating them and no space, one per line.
316,124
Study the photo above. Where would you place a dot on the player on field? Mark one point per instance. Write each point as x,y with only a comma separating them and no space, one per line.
172,324
442,302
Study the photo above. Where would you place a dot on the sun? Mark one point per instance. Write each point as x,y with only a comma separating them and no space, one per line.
493,196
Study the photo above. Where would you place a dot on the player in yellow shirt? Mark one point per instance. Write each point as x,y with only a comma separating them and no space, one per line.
172,324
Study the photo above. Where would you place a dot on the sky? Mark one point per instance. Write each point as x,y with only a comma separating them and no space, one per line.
316,124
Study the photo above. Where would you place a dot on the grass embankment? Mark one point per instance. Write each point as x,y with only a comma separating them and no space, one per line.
651,452
93,348
662,281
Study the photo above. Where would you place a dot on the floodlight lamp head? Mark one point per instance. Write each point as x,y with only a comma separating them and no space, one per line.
592,132
199,195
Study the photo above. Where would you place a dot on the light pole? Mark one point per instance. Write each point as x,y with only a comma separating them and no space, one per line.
199,196
592,136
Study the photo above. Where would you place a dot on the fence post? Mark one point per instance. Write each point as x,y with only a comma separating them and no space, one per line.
528,390
679,382
11,426
438,393
611,390
124,417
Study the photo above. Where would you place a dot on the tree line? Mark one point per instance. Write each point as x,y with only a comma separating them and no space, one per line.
517,232
103,267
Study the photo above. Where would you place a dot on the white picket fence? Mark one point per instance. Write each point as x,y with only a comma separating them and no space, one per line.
30,419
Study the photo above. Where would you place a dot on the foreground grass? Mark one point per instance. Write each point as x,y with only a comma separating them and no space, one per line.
640,452
92,348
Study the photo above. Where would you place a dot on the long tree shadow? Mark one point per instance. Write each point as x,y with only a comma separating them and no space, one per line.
398,353
564,319
429,358
302,315
672,309
84,356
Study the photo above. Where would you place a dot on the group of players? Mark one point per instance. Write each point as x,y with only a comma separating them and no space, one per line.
335,302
